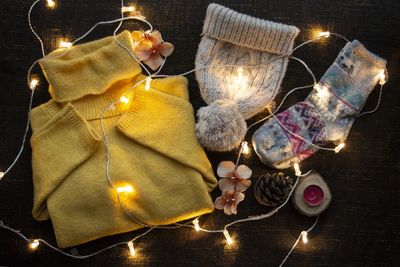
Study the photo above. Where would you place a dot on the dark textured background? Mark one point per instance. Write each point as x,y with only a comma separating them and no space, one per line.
361,228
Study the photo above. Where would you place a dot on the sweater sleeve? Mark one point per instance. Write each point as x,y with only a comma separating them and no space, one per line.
61,141
163,120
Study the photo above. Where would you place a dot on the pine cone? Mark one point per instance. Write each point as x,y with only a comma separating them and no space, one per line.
272,189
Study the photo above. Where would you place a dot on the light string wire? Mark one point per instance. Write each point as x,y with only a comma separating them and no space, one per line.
22,146
75,256
177,225
321,35
112,106
377,104
298,239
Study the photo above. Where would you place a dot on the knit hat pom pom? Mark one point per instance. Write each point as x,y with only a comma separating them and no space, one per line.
220,126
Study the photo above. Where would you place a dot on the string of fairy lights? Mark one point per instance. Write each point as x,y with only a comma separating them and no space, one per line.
244,148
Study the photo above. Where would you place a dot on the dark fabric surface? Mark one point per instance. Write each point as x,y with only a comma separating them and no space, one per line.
361,227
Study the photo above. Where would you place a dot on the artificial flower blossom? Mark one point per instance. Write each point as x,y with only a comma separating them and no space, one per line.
233,179
233,182
150,48
228,202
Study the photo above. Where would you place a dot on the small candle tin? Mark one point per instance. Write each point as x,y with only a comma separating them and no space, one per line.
312,195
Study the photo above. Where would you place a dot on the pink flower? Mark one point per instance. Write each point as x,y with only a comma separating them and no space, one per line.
233,180
150,48
228,202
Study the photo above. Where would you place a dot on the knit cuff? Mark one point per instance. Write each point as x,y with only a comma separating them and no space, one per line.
230,26
87,133
67,116
367,55
66,133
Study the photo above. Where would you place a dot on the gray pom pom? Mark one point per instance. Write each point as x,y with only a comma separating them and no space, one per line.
220,126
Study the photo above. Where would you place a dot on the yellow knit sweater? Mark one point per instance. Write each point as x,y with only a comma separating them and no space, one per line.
152,144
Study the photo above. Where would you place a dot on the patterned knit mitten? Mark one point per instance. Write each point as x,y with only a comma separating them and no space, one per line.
327,114
240,65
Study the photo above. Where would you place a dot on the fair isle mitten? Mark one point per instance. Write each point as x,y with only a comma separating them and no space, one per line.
327,114
240,65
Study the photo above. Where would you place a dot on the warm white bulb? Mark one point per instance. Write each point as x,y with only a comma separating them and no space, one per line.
132,250
128,9
124,99
148,83
324,34
304,237
322,90
65,44
297,170
33,84
34,244
339,147
2,175
245,148
382,77
196,225
51,4
125,189
240,77
228,237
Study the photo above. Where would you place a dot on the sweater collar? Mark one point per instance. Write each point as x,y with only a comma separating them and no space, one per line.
93,66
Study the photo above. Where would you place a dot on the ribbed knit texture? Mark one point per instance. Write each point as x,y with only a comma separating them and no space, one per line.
87,63
152,146
230,26
259,47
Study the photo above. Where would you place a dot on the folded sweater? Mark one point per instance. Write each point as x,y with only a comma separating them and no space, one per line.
152,145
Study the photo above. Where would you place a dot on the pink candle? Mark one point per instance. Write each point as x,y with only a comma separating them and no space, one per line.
313,195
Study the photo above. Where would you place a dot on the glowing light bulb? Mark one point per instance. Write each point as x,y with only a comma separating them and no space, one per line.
239,82
297,170
65,44
33,84
148,83
228,237
51,4
34,244
322,90
132,250
339,147
239,78
126,9
196,225
382,77
245,148
124,99
304,237
2,175
125,189
324,34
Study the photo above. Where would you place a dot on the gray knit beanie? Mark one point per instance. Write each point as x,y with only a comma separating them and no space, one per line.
249,57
